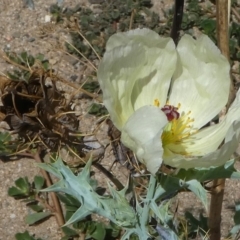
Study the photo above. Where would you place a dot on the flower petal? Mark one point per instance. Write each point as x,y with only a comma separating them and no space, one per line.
217,158
207,141
142,134
203,142
201,82
136,69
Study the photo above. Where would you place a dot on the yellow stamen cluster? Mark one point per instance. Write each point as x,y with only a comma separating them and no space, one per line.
178,129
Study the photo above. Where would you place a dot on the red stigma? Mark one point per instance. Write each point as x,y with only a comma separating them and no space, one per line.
171,112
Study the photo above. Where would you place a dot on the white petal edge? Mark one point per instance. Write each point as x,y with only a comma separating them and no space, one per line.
142,134
201,82
135,70
140,35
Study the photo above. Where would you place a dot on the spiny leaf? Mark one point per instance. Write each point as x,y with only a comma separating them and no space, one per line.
198,190
115,208
206,174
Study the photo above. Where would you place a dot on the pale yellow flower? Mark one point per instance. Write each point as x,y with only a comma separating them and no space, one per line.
160,97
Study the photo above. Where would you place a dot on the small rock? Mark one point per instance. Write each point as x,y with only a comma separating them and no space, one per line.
78,110
29,4
74,77
7,47
47,18
31,39
73,61
17,34
60,3
12,215
91,142
53,61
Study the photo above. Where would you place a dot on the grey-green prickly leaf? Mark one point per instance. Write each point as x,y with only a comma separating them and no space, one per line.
161,211
165,233
119,207
196,187
169,185
138,231
207,174
114,207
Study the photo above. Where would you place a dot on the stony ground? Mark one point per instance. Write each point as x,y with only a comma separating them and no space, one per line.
24,29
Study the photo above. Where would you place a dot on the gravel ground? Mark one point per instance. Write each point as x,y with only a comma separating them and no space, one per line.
25,29
21,30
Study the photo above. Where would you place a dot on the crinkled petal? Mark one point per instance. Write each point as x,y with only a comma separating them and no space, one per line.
142,134
216,158
136,69
207,141
201,82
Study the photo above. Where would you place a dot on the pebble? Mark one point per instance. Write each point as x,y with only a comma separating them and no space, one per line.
73,61
78,110
12,215
7,47
31,39
92,142
74,77
47,18
17,34
53,61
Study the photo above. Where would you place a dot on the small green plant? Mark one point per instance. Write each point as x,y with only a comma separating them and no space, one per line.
7,145
27,61
114,16
97,110
31,194
25,236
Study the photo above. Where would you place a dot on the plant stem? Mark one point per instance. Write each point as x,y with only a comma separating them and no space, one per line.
57,205
148,199
177,20
223,36
214,222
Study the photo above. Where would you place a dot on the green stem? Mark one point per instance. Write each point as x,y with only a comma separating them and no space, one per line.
148,199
